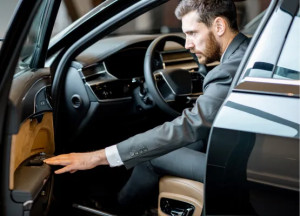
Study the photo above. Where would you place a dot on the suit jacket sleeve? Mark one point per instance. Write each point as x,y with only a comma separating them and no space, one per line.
193,125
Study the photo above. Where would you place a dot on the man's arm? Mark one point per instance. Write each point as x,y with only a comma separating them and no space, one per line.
193,125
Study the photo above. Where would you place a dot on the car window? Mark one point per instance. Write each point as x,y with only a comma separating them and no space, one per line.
267,49
32,41
288,66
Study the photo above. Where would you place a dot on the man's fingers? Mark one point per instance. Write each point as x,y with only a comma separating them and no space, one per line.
59,157
65,169
57,161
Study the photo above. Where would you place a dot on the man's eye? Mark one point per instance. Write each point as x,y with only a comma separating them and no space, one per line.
190,34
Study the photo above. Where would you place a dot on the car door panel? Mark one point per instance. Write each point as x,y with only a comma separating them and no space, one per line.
32,108
253,150
260,157
10,51
27,136
28,176
30,93
25,191
251,174
263,113
33,138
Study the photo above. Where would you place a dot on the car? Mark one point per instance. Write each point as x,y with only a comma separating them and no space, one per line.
89,87
253,152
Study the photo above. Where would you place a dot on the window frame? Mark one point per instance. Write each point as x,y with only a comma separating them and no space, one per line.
268,85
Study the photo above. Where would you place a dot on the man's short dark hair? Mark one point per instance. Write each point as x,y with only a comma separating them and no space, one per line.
208,10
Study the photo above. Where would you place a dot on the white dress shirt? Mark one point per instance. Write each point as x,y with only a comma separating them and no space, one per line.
113,156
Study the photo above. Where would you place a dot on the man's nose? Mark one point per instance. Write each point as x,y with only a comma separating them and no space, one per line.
188,44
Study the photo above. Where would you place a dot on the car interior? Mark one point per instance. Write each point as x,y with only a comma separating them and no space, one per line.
100,94
103,105
106,100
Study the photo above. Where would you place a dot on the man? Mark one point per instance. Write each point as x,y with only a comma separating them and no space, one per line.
174,147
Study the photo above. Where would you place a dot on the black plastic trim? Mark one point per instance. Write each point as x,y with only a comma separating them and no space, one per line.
290,6
39,56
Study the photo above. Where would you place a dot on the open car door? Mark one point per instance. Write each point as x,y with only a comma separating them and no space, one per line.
253,151
26,128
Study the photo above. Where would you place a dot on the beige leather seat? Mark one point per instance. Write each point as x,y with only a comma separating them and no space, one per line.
173,189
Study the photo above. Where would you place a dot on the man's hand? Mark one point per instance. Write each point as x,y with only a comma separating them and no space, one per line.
78,161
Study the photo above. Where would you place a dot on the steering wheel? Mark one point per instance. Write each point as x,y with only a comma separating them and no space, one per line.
177,88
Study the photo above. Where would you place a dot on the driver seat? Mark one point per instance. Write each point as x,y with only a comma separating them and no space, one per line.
179,196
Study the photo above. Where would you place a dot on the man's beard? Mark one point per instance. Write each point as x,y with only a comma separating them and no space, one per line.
212,52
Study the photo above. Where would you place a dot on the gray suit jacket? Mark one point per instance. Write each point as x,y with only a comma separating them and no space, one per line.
194,124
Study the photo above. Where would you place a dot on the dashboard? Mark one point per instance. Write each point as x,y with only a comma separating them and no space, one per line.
114,67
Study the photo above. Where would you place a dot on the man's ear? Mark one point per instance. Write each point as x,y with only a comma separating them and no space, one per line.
219,25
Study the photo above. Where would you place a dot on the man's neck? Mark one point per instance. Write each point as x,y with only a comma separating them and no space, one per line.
227,40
